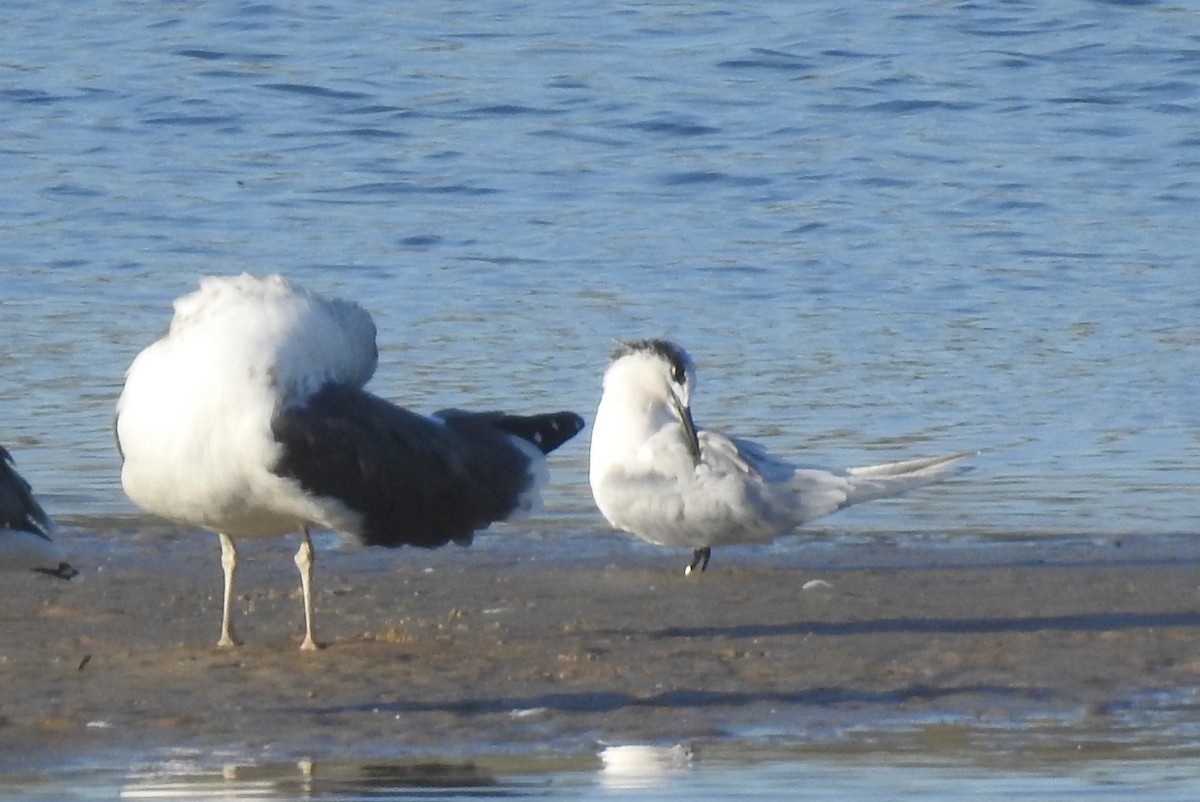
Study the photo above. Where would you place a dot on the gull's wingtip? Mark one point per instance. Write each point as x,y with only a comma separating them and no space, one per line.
547,431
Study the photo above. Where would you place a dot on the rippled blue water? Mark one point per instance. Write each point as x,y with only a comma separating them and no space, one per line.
883,229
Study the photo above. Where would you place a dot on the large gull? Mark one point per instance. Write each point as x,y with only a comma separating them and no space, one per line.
249,418
657,476
25,528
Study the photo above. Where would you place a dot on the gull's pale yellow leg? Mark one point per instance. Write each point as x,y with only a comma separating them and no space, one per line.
304,561
229,566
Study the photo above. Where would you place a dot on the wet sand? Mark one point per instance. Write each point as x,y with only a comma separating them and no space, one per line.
479,650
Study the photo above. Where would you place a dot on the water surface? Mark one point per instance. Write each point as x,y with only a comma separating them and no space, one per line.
767,774
882,231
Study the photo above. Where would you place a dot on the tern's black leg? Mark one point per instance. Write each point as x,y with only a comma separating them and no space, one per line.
699,558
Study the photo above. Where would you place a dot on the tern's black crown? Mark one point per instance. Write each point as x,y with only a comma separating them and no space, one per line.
675,356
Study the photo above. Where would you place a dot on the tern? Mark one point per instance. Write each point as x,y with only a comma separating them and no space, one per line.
654,474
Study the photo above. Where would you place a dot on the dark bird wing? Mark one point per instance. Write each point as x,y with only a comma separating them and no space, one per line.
18,508
414,480
547,431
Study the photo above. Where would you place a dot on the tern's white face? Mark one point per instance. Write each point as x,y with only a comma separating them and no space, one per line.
661,373
656,368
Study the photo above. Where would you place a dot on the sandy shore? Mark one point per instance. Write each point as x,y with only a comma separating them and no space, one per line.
474,650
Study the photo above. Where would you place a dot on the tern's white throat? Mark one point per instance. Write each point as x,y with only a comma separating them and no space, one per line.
647,391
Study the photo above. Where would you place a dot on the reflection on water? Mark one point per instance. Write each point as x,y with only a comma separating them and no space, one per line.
665,772
329,781
642,765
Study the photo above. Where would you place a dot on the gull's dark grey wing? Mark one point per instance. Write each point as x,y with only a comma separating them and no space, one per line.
414,480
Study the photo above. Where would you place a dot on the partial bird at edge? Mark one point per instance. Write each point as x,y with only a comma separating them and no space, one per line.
25,528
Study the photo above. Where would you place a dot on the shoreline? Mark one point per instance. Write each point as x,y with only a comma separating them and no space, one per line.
464,651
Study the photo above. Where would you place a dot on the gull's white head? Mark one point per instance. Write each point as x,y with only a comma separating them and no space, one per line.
647,388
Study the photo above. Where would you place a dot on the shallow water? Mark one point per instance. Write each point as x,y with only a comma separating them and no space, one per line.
882,230
660,774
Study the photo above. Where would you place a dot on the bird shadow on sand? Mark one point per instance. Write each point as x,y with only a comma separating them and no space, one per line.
589,702
1082,622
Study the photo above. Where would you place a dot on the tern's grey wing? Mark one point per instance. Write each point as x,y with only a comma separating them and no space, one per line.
756,459
785,491
18,508
736,494
816,492
414,480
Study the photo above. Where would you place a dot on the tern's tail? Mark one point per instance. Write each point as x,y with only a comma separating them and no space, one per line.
893,478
